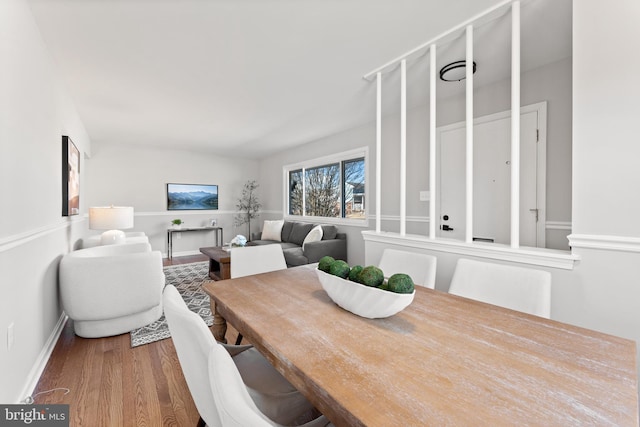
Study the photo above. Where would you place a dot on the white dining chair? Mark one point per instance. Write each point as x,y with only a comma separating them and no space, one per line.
275,397
234,404
250,260
420,267
522,289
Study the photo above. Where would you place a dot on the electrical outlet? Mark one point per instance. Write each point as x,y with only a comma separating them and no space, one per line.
10,337
425,196
179,236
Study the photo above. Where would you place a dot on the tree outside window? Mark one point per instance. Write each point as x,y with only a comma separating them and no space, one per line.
353,188
322,191
295,192
333,190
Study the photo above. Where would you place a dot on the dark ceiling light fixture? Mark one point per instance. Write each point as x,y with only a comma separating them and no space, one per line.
455,71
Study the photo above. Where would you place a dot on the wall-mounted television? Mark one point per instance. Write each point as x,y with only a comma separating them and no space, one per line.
182,197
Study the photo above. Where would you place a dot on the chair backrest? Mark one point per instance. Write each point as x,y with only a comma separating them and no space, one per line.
420,267
111,250
523,289
193,342
130,237
256,259
234,404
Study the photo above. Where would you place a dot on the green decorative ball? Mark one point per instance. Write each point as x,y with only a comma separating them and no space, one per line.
401,284
339,268
371,276
325,263
355,273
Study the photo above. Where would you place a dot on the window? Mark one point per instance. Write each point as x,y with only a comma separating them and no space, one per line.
329,189
353,188
295,192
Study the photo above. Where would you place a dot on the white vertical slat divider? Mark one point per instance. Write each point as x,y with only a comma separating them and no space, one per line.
515,171
469,128
378,151
403,147
515,124
432,142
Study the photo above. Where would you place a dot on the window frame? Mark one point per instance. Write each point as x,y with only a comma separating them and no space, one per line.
357,153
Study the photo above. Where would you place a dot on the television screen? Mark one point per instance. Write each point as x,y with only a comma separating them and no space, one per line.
191,197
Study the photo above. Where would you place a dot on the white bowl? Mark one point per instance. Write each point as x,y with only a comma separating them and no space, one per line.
365,301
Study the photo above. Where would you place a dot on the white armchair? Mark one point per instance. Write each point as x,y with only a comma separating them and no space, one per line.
130,237
110,290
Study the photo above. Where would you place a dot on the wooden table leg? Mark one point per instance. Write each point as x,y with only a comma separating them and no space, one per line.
219,326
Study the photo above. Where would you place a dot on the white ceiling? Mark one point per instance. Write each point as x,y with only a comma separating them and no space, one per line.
252,77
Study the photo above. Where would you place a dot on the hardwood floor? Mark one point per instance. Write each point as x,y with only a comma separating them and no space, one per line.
112,384
184,259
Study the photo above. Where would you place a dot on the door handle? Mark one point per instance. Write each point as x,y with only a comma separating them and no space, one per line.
536,211
445,227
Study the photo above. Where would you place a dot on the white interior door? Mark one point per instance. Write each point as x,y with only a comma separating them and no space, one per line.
492,179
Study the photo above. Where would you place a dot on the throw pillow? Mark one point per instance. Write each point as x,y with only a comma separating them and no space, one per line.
315,235
271,230
329,232
299,232
286,230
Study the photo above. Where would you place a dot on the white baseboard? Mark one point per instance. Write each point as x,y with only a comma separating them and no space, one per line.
183,253
43,358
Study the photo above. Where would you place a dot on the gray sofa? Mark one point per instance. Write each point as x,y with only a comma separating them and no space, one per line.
293,233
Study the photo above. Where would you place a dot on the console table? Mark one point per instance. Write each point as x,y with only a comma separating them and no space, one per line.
170,231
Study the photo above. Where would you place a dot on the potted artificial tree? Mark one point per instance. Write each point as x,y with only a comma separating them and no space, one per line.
177,223
247,206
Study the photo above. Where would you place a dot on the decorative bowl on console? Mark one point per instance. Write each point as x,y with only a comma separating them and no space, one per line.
365,301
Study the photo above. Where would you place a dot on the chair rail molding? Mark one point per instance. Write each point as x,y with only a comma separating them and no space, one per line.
15,240
185,213
605,242
558,225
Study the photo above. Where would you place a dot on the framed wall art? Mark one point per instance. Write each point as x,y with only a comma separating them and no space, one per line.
192,197
70,177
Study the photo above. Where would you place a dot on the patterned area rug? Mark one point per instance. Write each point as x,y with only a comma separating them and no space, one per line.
187,278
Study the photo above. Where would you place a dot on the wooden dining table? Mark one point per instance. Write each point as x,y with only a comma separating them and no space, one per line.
444,360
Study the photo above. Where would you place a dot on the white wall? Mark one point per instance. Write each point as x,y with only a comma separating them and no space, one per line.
35,111
137,176
606,178
606,111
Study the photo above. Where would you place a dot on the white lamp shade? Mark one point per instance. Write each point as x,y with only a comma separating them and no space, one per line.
111,218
